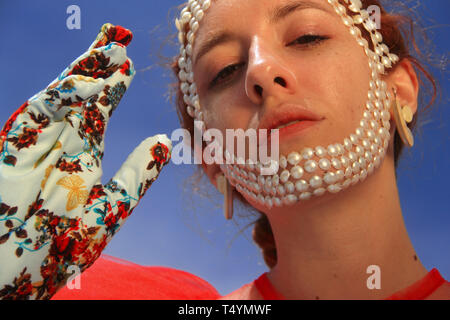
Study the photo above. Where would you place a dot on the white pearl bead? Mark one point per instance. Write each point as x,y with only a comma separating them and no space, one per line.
339,148
319,192
290,188
261,181
297,172
324,164
294,158
284,176
334,188
186,16
195,25
305,196
182,75
206,4
320,151
344,161
268,201
346,183
363,174
189,49
283,162
359,133
348,144
339,175
190,77
315,181
301,186
354,139
275,180
332,151
348,172
281,191
190,111
329,178
359,150
336,163
290,199
376,161
268,183
187,99
355,167
376,114
184,87
273,191
190,36
276,201
261,199
385,115
307,153
310,166
365,143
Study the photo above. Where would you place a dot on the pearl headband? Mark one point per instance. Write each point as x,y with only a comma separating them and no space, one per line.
344,163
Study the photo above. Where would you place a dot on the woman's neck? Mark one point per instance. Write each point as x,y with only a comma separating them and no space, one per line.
325,247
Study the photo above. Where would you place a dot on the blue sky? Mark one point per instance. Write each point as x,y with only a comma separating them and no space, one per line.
171,226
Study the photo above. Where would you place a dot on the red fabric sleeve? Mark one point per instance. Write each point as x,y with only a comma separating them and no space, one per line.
111,278
420,289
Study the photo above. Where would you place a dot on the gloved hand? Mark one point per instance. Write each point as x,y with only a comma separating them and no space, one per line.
54,211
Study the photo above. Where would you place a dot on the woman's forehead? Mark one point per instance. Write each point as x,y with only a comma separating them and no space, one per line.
269,10
226,15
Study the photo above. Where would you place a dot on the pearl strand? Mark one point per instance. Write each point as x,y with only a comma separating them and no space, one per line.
343,164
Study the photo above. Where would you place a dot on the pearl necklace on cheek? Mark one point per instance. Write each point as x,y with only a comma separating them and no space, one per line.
312,171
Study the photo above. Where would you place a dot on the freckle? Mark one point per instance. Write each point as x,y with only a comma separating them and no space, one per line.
415,258
317,298
335,275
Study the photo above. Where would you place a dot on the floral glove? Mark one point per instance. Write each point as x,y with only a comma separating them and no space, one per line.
54,211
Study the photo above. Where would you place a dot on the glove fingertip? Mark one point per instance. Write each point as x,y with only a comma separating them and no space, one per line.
111,33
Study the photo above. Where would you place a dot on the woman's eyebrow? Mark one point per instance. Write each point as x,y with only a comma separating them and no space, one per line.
284,10
274,16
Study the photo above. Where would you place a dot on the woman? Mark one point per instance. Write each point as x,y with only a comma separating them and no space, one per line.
331,204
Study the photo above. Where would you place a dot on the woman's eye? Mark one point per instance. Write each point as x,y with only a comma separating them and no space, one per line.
305,40
309,39
224,74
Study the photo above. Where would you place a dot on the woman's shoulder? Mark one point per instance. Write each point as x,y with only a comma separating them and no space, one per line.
441,293
247,292
117,279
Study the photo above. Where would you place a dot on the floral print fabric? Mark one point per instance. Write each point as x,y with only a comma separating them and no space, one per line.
54,211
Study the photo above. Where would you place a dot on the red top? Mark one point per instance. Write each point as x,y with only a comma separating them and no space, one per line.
111,278
419,290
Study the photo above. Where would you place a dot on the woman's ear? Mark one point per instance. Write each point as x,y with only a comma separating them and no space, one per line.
404,79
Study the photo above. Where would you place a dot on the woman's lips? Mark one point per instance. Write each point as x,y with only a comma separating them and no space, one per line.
292,129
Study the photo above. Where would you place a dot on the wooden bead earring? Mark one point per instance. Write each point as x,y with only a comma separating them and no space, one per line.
226,189
402,116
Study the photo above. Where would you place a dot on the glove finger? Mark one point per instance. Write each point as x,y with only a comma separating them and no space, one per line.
34,123
111,33
110,205
87,64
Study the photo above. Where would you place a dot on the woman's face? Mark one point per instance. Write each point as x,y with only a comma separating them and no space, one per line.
304,57
276,58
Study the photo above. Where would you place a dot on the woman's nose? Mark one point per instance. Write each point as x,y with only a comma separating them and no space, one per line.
266,74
